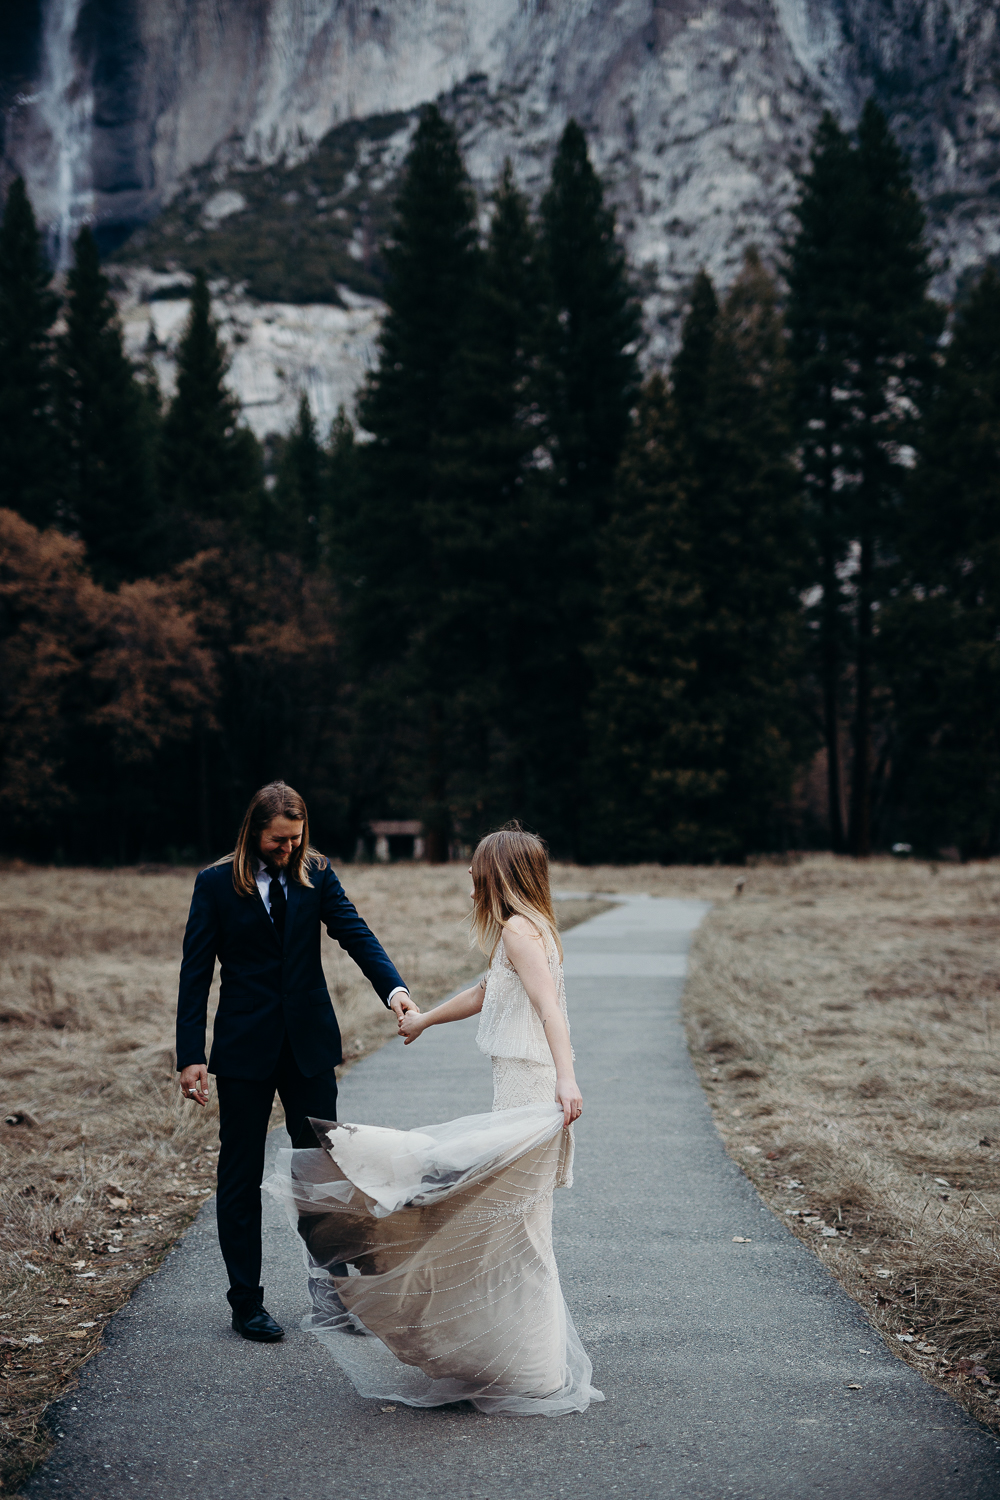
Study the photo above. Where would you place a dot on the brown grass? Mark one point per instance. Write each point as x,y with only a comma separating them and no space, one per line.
103,1164
844,1018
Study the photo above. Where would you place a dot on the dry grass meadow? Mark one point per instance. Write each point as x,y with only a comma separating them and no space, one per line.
844,1019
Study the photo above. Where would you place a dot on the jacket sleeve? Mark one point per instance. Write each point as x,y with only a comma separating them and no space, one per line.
340,918
197,967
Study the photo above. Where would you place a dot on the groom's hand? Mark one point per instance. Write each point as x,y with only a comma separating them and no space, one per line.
194,1083
400,1004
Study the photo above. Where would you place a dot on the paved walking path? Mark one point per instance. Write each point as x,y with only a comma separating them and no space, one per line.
726,1367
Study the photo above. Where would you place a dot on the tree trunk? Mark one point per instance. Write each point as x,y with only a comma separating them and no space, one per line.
861,788
437,822
830,669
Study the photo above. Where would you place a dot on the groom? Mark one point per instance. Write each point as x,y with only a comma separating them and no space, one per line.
259,911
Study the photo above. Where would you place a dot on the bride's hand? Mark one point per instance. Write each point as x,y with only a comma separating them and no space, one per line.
569,1098
410,1026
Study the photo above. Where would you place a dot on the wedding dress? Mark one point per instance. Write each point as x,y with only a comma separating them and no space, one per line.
445,1236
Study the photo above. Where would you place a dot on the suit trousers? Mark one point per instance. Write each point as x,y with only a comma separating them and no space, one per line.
244,1113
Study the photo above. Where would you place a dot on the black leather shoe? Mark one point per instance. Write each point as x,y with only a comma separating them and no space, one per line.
253,1321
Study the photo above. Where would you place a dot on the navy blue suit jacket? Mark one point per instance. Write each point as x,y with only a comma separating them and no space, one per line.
269,988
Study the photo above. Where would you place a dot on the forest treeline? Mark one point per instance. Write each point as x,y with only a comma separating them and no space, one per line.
743,604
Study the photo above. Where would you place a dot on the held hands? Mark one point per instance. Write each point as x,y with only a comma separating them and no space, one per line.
411,1025
569,1098
401,1004
194,1083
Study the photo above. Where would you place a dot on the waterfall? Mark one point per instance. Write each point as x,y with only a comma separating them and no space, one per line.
66,104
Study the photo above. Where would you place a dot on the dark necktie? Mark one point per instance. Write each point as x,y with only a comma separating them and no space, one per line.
278,905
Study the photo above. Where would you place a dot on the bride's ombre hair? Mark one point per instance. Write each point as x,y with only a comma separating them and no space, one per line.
510,877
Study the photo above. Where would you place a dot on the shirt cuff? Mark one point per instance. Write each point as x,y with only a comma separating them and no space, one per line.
399,990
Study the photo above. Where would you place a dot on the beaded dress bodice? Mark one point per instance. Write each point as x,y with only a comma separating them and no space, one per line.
508,1025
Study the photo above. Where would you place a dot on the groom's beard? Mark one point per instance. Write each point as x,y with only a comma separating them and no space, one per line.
276,859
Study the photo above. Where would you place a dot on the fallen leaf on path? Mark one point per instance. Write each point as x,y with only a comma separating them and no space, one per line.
388,1408
741,1239
855,1387
864,1351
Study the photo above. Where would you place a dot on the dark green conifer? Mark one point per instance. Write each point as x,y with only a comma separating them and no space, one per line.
689,371
939,635
394,598
696,713
650,774
211,472
340,502
590,381
863,332
30,469
107,430
820,328
296,505
486,519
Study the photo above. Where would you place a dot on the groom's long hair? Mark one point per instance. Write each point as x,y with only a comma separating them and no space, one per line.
510,877
276,800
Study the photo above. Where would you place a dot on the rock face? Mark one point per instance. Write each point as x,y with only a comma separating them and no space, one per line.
699,114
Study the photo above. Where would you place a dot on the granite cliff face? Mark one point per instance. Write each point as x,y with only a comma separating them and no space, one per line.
699,114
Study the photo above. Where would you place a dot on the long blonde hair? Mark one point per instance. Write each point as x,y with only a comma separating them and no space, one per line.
510,877
276,800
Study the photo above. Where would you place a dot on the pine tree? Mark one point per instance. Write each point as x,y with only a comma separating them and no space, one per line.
296,505
107,431
433,264
340,501
939,634
30,470
820,328
863,337
485,525
751,548
696,718
689,371
649,772
211,473
590,381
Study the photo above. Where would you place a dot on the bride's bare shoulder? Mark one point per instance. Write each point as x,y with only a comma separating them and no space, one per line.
521,929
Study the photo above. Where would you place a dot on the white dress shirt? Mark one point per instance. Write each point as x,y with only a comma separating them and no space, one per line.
263,877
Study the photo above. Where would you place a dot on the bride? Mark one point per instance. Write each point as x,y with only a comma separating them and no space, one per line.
438,1241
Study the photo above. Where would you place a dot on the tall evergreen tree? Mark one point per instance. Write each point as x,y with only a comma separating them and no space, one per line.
486,526
650,774
107,429
340,500
863,336
819,316
696,717
690,369
295,507
433,264
211,471
30,471
590,375
940,634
